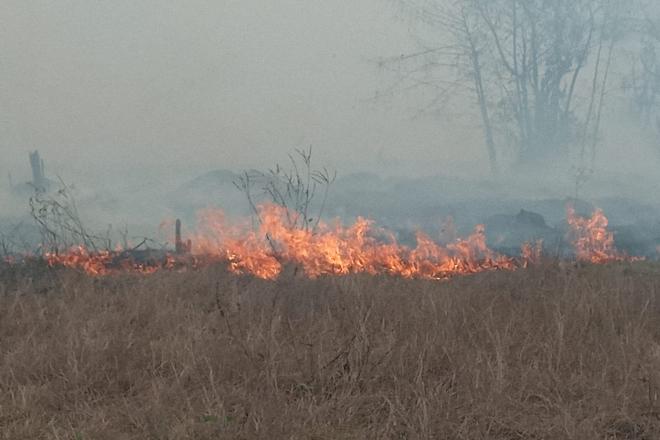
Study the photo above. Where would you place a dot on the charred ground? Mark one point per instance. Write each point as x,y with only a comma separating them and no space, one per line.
555,351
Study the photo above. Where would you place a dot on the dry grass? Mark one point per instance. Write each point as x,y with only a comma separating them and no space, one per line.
548,353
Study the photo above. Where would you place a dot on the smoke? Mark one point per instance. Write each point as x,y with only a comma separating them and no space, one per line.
138,104
138,87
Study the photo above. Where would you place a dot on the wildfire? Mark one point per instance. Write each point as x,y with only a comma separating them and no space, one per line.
334,249
79,257
590,238
531,252
104,262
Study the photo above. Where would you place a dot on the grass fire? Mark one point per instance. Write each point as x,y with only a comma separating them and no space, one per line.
270,326
320,220
283,324
337,250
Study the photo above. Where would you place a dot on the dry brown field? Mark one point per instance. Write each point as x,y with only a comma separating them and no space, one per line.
557,351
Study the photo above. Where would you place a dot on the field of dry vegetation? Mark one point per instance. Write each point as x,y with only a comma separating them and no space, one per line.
553,352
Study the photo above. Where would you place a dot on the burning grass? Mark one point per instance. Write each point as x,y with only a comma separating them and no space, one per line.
553,351
335,249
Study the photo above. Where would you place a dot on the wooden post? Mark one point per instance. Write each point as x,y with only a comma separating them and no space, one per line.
38,177
178,244
180,247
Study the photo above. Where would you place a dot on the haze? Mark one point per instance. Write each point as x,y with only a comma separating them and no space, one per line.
124,94
164,87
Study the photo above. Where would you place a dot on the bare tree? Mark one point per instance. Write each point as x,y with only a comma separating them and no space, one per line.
643,82
538,70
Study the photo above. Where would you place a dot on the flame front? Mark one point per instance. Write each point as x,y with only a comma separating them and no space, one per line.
102,262
79,257
333,249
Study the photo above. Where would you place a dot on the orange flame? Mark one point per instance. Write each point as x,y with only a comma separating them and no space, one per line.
339,250
99,263
79,257
590,238
334,249
532,253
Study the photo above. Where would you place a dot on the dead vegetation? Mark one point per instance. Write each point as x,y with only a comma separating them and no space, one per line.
551,352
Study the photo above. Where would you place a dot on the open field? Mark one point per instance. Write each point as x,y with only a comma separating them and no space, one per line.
552,352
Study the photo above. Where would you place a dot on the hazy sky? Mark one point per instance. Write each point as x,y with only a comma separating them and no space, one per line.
169,85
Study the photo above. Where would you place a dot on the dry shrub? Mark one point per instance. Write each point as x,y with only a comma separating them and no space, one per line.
552,352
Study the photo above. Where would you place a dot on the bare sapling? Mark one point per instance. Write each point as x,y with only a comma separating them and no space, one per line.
299,188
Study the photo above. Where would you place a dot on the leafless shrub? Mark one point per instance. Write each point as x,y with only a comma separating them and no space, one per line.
56,214
294,187
61,226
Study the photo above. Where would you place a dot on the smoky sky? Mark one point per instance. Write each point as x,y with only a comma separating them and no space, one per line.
142,90
105,88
